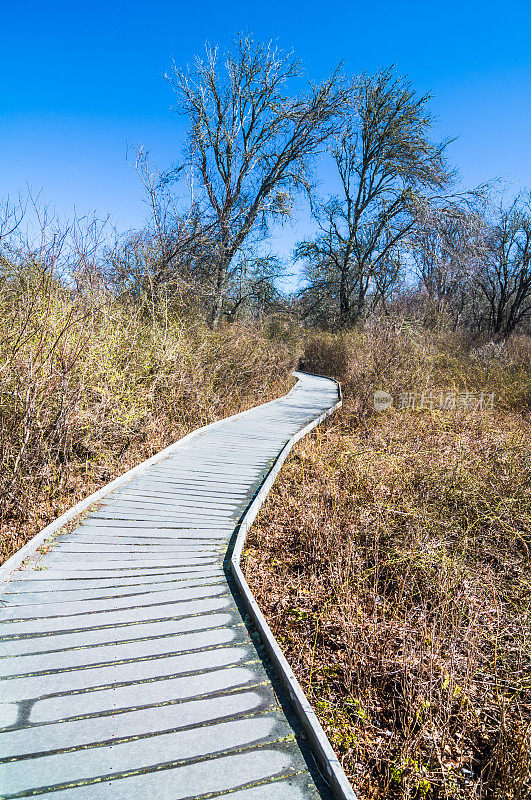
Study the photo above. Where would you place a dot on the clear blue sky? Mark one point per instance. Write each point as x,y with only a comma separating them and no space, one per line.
81,80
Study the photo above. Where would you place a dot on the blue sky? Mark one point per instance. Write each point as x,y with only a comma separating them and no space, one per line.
82,80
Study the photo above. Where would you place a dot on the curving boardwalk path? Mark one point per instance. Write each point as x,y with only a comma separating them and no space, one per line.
134,663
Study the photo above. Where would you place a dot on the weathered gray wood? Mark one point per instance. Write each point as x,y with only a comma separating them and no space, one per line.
125,664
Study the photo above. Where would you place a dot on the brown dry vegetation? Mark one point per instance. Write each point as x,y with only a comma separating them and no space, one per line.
392,560
89,387
392,557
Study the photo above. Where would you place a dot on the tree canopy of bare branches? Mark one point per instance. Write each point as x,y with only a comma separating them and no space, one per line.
448,247
505,278
388,169
250,142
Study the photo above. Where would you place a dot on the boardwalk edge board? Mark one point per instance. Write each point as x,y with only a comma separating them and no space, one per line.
317,740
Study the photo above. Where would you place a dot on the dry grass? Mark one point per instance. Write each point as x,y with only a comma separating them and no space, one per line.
392,557
392,560
90,387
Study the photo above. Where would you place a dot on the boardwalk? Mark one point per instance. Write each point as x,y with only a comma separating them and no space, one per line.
133,662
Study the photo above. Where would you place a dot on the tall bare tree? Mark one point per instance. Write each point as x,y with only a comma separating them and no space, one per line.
250,143
388,169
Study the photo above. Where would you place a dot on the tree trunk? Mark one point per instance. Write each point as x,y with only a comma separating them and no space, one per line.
344,304
217,305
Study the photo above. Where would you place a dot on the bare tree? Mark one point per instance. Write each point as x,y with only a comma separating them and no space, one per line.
388,169
449,247
171,256
250,143
254,284
505,279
